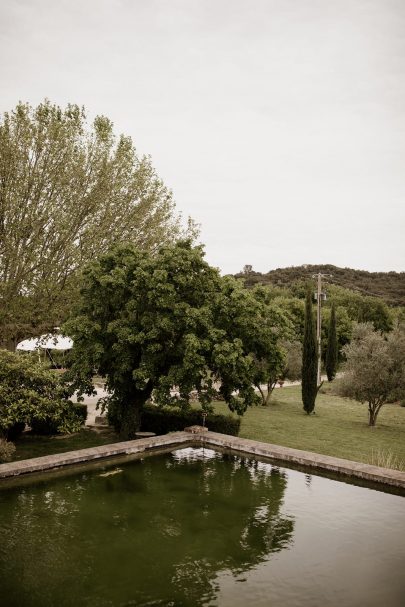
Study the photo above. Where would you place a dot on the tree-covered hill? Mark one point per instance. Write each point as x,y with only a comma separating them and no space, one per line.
390,286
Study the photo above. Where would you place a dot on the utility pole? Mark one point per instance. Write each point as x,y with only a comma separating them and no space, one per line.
319,297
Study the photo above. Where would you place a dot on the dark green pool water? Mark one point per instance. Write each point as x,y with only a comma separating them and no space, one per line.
200,528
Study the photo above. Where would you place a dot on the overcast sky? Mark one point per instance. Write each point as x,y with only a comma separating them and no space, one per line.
278,124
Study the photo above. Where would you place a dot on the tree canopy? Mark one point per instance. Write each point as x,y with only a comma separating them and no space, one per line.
150,322
375,368
68,191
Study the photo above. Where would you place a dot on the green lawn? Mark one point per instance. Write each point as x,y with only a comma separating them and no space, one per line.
338,428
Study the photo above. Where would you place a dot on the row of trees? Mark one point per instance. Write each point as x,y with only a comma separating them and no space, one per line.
374,370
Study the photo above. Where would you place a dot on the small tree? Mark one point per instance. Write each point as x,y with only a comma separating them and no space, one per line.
375,368
332,347
148,322
309,359
261,325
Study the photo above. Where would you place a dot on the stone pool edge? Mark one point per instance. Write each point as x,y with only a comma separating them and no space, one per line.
93,454
308,459
314,461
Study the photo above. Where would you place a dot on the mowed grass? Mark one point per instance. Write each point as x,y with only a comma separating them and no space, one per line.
339,427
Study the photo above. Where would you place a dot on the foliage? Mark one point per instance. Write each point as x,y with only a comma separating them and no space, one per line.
344,329
170,419
293,360
254,318
7,450
375,368
151,322
294,308
29,391
81,411
309,359
332,347
48,425
389,286
362,308
68,191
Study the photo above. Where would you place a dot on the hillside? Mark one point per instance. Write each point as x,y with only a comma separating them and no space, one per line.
390,286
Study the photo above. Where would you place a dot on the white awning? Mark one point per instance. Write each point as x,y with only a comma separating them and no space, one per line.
46,342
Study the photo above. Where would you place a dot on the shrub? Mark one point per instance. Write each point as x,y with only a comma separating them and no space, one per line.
81,411
48,426
170,419
29,393
6,450
44,427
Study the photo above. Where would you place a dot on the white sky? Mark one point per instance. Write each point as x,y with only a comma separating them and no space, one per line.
278,124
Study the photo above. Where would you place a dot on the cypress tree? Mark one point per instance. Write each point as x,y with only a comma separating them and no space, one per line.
309,359
332,348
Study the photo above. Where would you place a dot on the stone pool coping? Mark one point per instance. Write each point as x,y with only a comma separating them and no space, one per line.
314,461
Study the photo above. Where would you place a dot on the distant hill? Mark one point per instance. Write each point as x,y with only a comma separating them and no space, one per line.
390,286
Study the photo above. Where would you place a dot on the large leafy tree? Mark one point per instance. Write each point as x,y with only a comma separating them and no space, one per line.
151,322
68,191
309,359
375,368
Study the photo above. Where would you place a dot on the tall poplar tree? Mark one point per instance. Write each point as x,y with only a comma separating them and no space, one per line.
69,191
332,347
309,359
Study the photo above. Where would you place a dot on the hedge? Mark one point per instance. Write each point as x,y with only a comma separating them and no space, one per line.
162,420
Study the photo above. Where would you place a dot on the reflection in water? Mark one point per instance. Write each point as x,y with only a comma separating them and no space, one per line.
159,533
198,528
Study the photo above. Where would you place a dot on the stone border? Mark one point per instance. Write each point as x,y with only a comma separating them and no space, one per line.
315,461
49,462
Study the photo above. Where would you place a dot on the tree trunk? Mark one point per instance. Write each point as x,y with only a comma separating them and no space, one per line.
131,411
264,399
373,410
131,415
270,387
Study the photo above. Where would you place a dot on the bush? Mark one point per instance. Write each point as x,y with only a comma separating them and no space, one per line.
30,393
81,411
162,420
48,426
6,450
44,427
